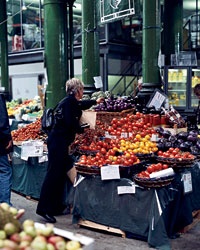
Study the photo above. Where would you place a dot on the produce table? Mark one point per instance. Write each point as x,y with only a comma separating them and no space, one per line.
28,175
149,214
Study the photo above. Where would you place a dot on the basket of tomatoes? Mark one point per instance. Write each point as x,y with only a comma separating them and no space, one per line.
144,178
176,157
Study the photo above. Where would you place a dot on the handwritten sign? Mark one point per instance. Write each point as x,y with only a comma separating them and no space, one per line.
110,172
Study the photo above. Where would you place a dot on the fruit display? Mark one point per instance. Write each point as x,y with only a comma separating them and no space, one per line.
113,104
33,236
176,157
28,235
186,141
31,131
21,107
9,214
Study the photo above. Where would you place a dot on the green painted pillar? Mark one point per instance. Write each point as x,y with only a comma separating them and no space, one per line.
56,47
71,38
173,28
150,48
90,43
4,47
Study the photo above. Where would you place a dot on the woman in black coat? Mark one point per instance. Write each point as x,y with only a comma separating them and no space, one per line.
59,161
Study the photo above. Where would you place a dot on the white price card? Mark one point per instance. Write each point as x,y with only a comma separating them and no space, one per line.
98,82
187,182
31,149
157,99
110,172
126,189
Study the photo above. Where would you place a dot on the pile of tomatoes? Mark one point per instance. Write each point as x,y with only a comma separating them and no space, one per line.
109,157
151,169
175,153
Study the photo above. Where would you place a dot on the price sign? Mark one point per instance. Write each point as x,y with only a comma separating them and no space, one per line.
157,99
187,182
31,149
126,189
110,172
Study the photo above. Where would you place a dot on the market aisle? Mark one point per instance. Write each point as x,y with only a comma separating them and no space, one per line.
105,241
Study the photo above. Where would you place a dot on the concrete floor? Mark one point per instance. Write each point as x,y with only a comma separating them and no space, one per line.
103,240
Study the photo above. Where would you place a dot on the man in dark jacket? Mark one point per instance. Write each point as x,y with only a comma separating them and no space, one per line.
6,146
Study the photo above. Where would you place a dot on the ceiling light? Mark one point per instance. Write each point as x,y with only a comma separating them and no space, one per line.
24,6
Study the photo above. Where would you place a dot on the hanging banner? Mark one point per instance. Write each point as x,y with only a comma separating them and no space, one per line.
112,10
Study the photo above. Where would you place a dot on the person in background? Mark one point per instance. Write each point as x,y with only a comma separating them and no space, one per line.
196,91
6,146
40,85
60,163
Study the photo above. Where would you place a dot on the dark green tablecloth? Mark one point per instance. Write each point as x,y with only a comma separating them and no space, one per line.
28,175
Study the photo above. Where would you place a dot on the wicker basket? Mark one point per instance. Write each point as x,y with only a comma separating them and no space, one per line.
125,171
107,117
153,183
176,162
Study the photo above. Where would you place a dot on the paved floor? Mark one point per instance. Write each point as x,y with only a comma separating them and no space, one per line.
103,240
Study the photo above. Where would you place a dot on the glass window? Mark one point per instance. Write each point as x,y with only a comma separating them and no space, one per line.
25,25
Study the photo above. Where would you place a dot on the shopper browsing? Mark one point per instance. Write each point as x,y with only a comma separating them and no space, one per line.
6,147
51,202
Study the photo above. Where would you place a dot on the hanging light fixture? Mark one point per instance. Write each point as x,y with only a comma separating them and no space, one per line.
24,6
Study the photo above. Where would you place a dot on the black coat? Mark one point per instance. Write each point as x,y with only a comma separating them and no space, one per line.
5,135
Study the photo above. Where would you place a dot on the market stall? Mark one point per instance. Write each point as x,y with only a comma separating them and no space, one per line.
136,144
153,214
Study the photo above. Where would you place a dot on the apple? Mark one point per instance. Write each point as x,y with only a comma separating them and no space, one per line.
54,238
11,244
24,244
38,245
60,245
25,237
40,238
28,222
30,230
13,211
73,245
10,228
1,243
15,237
2,234
46,231
5,206
50,246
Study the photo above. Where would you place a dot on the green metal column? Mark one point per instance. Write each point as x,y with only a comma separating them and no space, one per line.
71,38
90,43
56,47
4,47
151,47
173,28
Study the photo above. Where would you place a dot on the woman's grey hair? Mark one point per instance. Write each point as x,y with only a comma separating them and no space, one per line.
73,85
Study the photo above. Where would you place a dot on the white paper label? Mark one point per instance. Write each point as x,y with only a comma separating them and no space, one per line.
110,172
187,182
98,82
126,189
31,149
